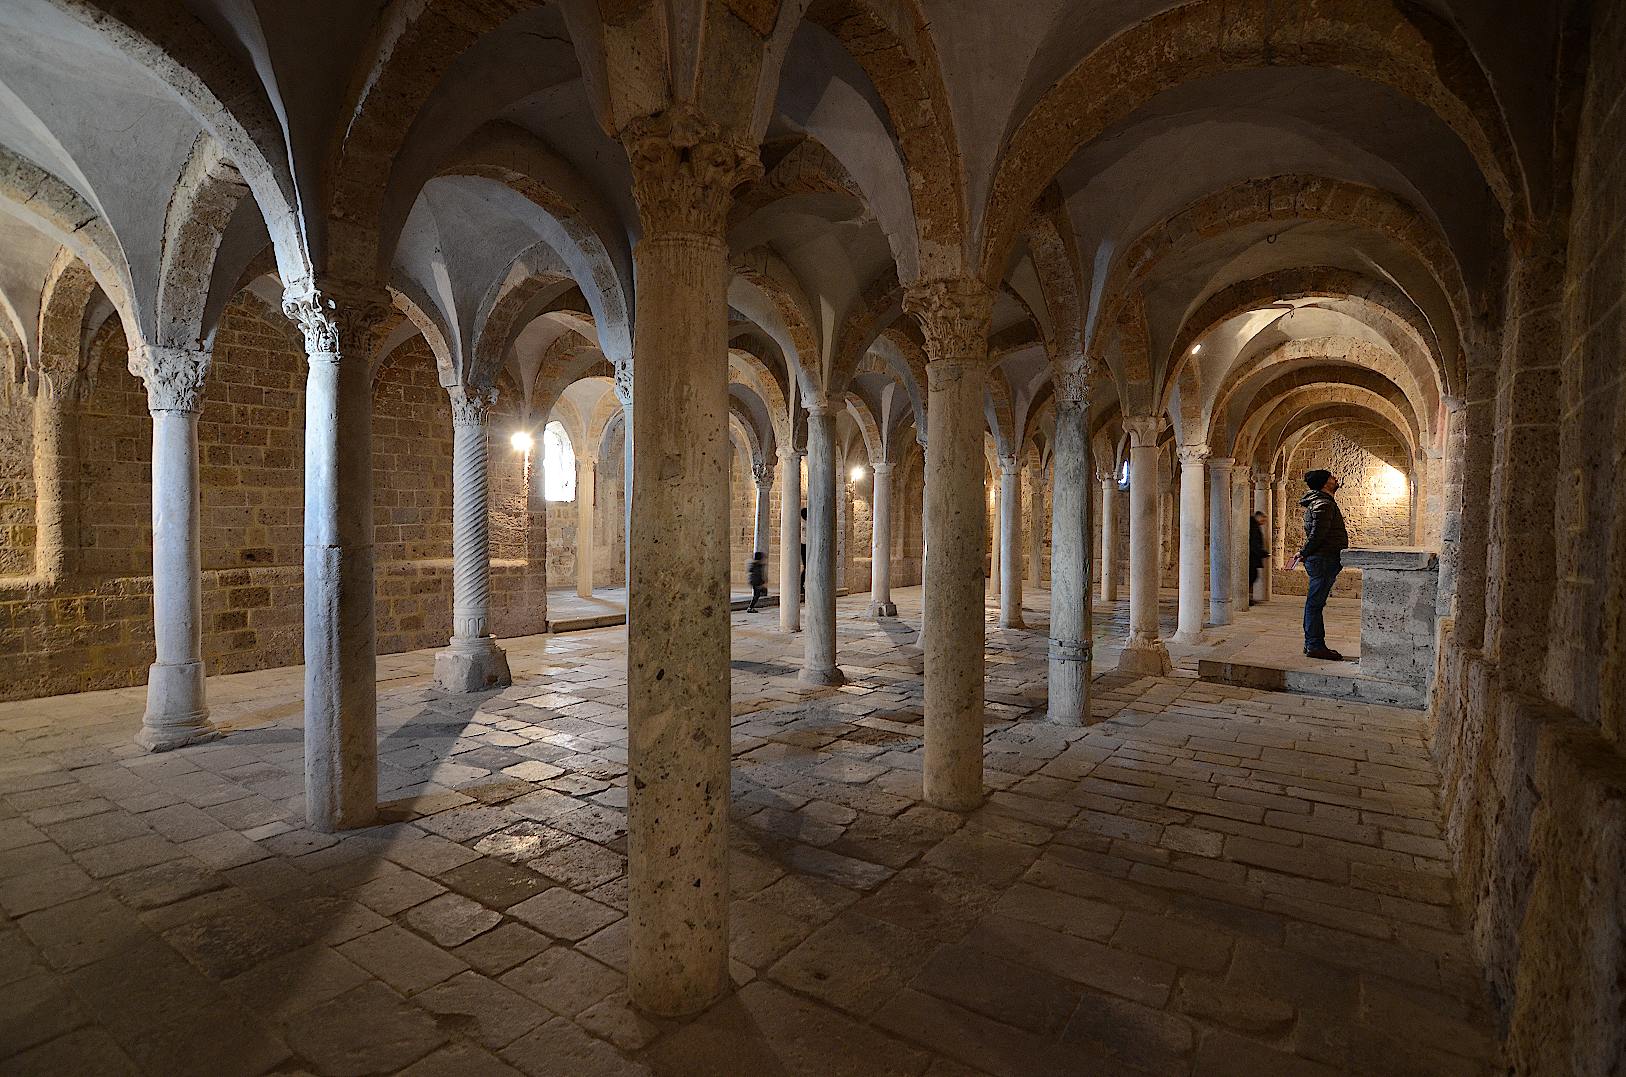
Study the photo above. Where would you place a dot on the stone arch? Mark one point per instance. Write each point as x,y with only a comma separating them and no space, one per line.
1399,319
785,314
505,316
762,381
879,307
1403,47
206,197
1263,429
907,77
220,91
511,156
1001,414
61,362
413,47
874,443
1292,197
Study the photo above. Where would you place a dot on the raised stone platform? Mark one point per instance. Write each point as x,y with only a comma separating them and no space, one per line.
1397,639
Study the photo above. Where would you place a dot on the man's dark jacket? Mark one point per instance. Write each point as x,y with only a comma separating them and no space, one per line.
1324,533
756,573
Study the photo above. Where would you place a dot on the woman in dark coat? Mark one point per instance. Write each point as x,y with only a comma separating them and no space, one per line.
1258,552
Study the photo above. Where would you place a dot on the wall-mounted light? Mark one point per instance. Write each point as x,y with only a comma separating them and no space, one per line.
1195,348
858,474
521,441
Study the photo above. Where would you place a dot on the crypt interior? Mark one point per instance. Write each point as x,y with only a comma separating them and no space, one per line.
396,393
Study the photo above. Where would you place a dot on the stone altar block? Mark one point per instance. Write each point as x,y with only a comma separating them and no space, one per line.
1398,584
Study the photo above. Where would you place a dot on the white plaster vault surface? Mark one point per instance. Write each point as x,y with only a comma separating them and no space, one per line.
1211,881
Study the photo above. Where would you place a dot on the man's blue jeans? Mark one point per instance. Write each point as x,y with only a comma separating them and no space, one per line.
1323,571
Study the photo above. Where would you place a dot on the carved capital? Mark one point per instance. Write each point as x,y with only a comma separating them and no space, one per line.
1143,430
954,316
471,405
763,473
1072,386
1010,465
882,469
1193,455
1220,463
338,323
174,377
685,170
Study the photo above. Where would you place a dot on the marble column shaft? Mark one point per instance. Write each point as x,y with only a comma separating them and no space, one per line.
684,170
1220,599
1036,527
341,668
56,477
586,485
1193,514
1010,542
762,535
1261,503
790,541
1109,539
1240,593
819,617
954,316
996,531
1070,621
1278,523
177,707
880,563
1144,653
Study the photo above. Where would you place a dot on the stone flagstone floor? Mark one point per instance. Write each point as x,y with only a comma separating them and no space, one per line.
1210,881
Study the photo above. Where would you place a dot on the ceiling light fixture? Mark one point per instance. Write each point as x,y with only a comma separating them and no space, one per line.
1195,348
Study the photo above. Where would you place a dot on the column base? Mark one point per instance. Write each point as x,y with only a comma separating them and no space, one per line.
1188,639
833,675
1015,622
1069,669
1145,658
476,665
176,712
883,609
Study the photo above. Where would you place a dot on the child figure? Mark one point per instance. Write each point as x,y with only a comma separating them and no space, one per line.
756,573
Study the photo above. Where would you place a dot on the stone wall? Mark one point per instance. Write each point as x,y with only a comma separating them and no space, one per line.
1377,508
1533,753
94,629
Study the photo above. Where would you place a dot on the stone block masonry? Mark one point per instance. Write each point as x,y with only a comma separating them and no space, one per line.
94,628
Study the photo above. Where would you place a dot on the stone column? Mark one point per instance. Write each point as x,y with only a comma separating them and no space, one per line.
954,316
683,172
472,661
1109,539
56,476
1278,521
997,532
586,473
790,541
880,556
341,669
1261,503
1010,542
762,536
1192,511
623,394
1036,528
177,708
1220,607
1071,647
1145,653
1240,596
819,639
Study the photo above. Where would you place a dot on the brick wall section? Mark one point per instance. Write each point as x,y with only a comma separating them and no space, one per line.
95,631
16,480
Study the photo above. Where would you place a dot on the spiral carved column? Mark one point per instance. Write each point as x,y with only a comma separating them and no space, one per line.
472,662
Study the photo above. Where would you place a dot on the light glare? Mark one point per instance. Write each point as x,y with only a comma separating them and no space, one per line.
858,474
521,441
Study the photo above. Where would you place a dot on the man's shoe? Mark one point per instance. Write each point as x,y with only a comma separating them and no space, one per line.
1324,653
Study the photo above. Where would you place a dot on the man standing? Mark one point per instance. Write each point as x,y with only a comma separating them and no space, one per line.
1258,553
1324,540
